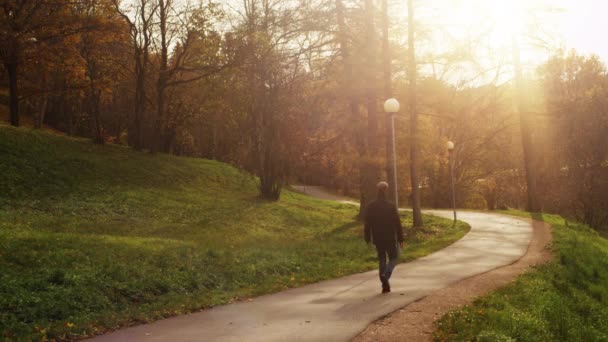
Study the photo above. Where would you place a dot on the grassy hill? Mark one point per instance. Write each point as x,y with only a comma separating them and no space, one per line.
97,237
565,300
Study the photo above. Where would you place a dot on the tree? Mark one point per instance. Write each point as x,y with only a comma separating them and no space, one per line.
273,36
371,169
140,29
533,203
196,56
576,93
19,22
24,23
388,93
99,49
413,117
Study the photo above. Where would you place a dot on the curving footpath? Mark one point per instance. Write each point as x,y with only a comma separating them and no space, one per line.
339,309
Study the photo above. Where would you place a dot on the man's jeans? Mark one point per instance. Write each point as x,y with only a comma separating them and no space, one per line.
392,251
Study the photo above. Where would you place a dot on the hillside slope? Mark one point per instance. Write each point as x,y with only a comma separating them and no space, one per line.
97,237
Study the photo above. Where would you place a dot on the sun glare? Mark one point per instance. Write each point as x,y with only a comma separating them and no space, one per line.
483,27
508,18
500,19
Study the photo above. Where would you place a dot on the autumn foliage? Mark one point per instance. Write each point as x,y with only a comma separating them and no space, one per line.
293,92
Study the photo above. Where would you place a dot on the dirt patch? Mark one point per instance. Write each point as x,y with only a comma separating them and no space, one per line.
415,322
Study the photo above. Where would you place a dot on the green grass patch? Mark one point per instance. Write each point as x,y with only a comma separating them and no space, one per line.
97,237
564,300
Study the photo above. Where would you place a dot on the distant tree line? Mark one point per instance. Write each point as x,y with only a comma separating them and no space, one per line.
292,91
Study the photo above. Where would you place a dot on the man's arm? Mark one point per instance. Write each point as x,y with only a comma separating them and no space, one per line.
398,227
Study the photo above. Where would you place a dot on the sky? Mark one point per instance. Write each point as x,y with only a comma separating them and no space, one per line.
568,24
578,24
487,27
585,26
572,24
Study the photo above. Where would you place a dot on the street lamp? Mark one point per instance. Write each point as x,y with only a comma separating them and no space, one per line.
391,106
450,146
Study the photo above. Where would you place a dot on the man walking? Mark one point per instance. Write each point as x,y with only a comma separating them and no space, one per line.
383,227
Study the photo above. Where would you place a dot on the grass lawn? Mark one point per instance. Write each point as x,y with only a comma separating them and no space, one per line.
97,237
564,300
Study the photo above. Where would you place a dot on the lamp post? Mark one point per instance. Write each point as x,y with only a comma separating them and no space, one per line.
391,106
450,146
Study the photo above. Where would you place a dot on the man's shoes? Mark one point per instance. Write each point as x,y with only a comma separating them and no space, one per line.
386,287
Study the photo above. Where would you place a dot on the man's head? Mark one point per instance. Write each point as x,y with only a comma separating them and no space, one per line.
382,188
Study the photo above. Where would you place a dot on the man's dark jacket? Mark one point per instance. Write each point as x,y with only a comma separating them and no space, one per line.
382,224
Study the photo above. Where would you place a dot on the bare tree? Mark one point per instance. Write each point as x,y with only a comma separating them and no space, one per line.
196,56
164,6
349,89
533,203
371,168
388,93
275,40
416,207
140,26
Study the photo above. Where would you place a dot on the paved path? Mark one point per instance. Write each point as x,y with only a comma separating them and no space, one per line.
337,310
319,192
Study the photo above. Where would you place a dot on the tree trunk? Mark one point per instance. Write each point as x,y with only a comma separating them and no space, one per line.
39,119
388,93
352,98
39,122
214,124
159,126
11,69
413,118
140,100
144,69
70,113
372,104
533,203
96,111
159,131
372,174
141,66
